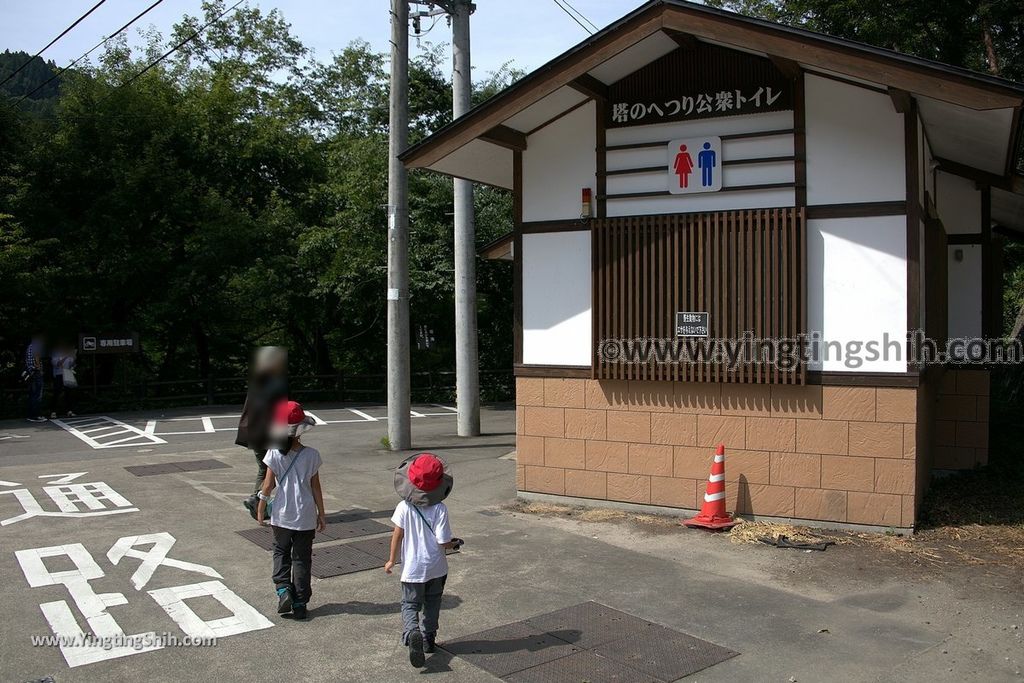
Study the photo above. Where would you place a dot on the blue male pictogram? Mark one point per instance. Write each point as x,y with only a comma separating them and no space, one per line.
706,161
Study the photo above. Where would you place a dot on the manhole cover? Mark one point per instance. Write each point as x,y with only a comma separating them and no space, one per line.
335,560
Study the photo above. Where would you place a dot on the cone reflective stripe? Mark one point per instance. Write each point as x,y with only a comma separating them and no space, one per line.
712,513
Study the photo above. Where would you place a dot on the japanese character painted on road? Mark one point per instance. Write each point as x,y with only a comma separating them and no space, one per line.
88,499
75,643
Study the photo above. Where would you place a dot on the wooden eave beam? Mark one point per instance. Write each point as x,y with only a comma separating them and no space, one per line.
589,86
902,101
506,137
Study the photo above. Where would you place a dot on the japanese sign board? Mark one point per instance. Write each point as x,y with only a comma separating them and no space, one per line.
124,342
695,165
698,83
692,324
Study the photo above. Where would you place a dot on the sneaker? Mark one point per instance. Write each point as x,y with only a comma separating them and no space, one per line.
251,504
416,657
284,600
298,611
53,416
71,413
429,643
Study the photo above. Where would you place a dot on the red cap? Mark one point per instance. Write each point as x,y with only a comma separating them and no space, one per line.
426,472
289,413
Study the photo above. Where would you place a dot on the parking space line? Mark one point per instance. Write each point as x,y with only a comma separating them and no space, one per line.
72,427
208,425
316,418
366,418
448,408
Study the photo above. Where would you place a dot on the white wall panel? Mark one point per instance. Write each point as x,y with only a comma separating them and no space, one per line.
556,298
857,286
855,148
959,204
558,162
710,201
964,278
723,125
752,174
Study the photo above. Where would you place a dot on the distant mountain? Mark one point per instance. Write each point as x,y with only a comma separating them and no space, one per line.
37,72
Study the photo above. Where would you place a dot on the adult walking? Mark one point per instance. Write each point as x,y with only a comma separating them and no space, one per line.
33,376
268,386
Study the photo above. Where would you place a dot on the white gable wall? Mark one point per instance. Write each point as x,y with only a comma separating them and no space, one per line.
558,163
855,147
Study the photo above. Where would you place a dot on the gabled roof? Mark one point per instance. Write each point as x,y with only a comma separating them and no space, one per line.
971,111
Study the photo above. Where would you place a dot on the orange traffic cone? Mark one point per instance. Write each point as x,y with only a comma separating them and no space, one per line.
712,512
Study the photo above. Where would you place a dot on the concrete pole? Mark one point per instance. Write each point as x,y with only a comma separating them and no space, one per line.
467,361
399,429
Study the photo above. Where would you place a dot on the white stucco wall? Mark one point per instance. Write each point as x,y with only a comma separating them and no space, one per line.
857,287
855,148
964,277
556,298
958,201
558,163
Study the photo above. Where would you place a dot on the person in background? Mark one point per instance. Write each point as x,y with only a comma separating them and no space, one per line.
33,376
296,510
64,383
268,386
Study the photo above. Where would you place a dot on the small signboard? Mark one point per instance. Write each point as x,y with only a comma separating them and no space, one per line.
695,165
125,342
691,324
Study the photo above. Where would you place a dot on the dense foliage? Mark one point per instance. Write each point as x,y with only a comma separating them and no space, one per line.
232,196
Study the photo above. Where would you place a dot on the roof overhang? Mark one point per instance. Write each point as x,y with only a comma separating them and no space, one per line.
971,119
1008,206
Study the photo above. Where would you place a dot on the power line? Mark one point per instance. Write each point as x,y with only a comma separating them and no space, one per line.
573,16
181,44
48,45
581,14
87,53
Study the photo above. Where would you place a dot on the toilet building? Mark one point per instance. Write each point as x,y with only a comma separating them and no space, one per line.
689,175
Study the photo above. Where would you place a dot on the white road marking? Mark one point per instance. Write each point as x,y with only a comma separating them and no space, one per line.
366,418
316,418
65,477
208,425
438,405
138,437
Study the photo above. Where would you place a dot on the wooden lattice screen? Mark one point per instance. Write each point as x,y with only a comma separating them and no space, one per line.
746,269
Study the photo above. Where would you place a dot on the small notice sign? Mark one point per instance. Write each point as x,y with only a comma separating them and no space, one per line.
695,165
124,342
691,324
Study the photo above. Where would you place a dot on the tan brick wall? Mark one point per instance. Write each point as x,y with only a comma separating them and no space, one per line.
961,420
840,454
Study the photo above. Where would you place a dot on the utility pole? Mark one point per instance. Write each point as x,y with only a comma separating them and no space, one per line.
467,359
399,430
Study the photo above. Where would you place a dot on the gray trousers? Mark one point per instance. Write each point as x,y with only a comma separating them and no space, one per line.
421,596
293,560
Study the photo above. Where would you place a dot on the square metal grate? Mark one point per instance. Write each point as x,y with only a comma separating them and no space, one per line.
172,467
587,642
335,560
507,649
596,623
585,666
665,653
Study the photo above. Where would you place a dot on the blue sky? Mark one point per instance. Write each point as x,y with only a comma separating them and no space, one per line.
528,32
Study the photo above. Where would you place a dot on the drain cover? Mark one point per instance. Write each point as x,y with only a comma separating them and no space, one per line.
665,653
335,560
587,642
583,666
506,649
